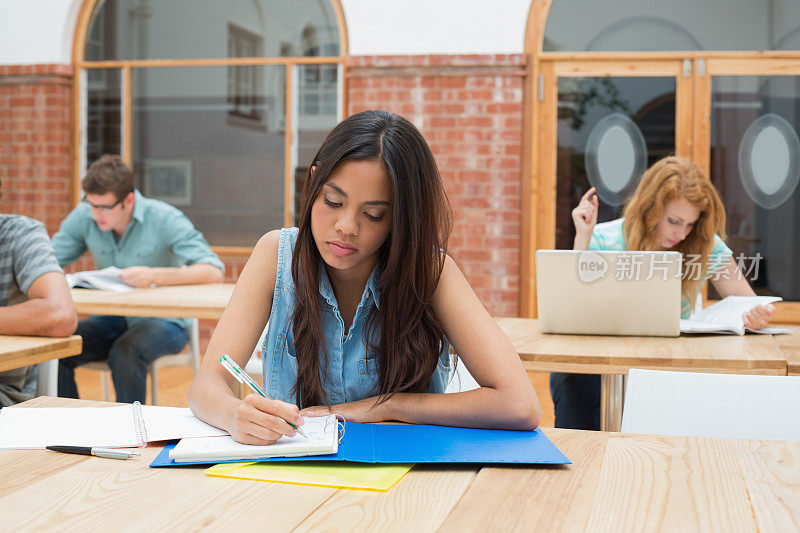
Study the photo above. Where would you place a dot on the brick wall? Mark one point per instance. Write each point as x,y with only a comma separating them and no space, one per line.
469,108
35,141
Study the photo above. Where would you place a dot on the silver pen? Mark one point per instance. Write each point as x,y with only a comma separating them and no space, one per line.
107,453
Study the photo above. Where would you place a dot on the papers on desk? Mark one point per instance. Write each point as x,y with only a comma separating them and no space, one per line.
725,317
107,279
416,443
120,426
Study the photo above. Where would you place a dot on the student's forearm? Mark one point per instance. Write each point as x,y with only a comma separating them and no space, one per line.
581,242
480,408
212,400
39,317
199,273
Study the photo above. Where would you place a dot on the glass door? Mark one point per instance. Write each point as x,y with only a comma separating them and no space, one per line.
753,109
602,123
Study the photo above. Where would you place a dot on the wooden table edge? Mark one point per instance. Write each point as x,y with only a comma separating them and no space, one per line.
67,347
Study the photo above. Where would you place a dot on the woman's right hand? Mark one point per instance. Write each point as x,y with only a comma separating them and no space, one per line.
585,215
262,421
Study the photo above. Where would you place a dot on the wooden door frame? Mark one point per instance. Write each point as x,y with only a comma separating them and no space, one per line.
539,135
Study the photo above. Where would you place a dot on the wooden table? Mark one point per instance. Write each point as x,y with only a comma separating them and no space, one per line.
790,344
613,356
616,482
175,301
17,351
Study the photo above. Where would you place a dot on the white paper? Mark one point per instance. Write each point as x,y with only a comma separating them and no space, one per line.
725,316
106,279
323,439
165,423
37,427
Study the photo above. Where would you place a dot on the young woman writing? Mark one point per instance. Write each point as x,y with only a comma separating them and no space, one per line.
363,303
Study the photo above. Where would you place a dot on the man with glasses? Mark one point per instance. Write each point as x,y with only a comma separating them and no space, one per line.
154,244
34,297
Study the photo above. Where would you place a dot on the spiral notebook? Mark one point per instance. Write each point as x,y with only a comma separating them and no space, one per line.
322,438
123,426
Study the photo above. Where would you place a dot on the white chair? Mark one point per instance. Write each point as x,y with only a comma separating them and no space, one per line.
695,404
190,358
47,378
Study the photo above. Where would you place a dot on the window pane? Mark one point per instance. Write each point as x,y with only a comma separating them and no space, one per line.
103,113
186,29
314,120
224,170
754,165
609,131
649,25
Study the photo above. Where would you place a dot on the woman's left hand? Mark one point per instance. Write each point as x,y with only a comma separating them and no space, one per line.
758,317
360,411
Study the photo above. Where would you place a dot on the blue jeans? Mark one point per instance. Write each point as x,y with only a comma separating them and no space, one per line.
128,349
576,399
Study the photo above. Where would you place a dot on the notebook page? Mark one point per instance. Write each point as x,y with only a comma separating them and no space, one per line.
728,311
22,427
165,423
105,279
323,439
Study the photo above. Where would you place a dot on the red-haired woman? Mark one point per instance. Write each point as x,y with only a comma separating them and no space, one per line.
675,207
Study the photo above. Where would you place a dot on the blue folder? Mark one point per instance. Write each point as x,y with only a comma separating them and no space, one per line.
411,443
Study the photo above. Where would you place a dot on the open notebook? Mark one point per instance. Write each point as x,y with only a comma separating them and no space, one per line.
322,433
121,426
106,279
725,316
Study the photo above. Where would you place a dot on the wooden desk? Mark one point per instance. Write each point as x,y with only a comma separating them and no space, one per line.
616,482
790,344
175,301
16,352
611,356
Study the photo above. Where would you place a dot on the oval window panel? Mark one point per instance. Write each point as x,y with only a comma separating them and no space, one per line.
616,155
769,160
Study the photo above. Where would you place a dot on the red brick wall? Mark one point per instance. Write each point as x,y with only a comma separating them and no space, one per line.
35,141
469,108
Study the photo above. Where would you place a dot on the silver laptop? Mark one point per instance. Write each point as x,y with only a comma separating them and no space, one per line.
609,293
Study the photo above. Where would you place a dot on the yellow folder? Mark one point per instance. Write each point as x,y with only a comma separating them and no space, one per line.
347,475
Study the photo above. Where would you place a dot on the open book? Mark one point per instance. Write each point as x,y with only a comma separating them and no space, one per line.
725,316
120,426
107,279
323,439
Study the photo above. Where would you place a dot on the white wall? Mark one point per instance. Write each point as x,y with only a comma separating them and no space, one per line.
40,31
37,31
436,26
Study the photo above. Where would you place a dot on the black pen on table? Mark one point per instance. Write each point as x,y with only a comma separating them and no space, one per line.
107,453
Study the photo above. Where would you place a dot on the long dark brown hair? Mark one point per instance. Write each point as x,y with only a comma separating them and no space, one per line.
403,330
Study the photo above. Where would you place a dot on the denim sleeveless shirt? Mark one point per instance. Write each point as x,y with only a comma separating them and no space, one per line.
352,367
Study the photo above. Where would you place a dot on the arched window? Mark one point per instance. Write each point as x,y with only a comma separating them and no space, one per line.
616,86
654,25
218,106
